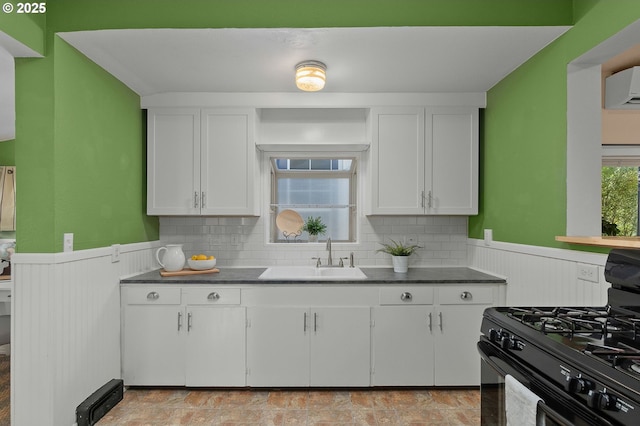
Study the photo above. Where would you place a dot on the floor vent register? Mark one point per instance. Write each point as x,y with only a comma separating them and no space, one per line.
99,403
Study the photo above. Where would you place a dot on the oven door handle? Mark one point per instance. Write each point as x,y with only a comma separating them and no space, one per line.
544,412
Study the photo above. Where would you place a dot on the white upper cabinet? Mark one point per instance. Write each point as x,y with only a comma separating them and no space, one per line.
424,161
228,162
173,161
398,153
451,138
201,162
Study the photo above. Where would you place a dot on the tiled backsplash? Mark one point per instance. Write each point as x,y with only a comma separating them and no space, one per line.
242,241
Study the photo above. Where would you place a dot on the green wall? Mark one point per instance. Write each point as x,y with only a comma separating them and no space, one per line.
29,29
101,14
523,166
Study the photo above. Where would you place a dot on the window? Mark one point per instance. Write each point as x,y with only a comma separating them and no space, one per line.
314,187
620,187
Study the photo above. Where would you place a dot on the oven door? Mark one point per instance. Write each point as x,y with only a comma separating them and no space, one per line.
559,408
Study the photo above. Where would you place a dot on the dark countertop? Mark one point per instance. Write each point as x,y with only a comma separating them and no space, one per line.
427,275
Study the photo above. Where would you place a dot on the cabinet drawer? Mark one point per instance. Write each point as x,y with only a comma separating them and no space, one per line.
212,296
406,296
153,296
463,295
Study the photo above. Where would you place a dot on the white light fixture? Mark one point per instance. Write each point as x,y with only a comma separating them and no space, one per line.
311,76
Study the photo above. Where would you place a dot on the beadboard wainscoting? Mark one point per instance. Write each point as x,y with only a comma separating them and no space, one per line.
541,276
66,328
242,241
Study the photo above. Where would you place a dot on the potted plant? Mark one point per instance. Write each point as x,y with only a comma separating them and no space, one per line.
314,227
400,253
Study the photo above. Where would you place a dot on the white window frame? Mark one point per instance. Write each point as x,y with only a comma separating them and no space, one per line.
357,185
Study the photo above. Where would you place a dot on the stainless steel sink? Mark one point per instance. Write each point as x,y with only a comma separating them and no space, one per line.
310,273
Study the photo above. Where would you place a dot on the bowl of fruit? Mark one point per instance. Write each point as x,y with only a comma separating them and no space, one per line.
201,262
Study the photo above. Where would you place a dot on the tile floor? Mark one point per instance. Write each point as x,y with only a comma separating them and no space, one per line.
432,407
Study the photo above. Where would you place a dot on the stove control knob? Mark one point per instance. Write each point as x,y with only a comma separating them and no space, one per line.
602,400
506,342
493,335
577,385
509,343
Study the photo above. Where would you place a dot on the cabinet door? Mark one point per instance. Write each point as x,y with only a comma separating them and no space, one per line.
278,346
452,151
228,162
340,346
153,345
215,354
459,315
397,156
403,346
173,161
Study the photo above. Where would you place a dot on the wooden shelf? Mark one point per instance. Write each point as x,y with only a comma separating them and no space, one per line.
614,242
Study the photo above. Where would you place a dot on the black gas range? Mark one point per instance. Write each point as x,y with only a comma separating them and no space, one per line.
582,362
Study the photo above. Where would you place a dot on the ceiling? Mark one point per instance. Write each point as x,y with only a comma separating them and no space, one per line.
359,60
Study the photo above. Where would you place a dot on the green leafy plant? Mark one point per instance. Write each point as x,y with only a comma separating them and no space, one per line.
314,226
398,249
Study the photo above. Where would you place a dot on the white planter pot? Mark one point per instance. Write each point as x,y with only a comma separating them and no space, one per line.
400,264
313,238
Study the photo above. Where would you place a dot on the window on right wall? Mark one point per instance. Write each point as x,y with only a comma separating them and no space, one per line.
620,188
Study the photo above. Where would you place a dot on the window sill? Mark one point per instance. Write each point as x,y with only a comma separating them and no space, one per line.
614,242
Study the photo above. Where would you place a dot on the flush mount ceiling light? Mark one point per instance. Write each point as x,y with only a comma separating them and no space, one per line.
311,76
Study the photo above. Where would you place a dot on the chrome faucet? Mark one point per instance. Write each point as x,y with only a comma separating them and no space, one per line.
330,258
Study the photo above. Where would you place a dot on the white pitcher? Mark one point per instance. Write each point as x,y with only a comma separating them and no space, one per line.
173,259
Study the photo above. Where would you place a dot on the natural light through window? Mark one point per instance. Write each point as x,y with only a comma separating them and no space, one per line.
620,188
322,190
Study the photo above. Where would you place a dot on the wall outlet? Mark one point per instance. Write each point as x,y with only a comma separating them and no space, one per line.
67,242
588,272
115,253
488,237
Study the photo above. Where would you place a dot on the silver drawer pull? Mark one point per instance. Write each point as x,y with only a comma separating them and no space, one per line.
153,296
406,296
465,295
213,296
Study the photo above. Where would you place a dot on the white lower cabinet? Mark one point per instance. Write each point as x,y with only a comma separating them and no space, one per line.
320,346
299,336
402,346
459,312
153,345
425,336
193,337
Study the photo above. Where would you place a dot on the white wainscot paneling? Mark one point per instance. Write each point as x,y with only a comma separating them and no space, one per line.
541,276
66,328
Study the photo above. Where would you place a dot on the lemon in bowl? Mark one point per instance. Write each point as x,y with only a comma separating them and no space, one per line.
201,262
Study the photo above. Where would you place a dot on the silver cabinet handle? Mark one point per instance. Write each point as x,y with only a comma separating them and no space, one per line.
153,296
422,199
430,322
179,320
304,323
430,200
315,322
195,199
189,321
213,296
440,320
406,296
465,295
202,200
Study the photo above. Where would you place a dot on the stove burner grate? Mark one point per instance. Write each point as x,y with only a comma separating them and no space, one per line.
593,322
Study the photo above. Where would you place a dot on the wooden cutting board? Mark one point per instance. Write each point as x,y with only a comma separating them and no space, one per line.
188,271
